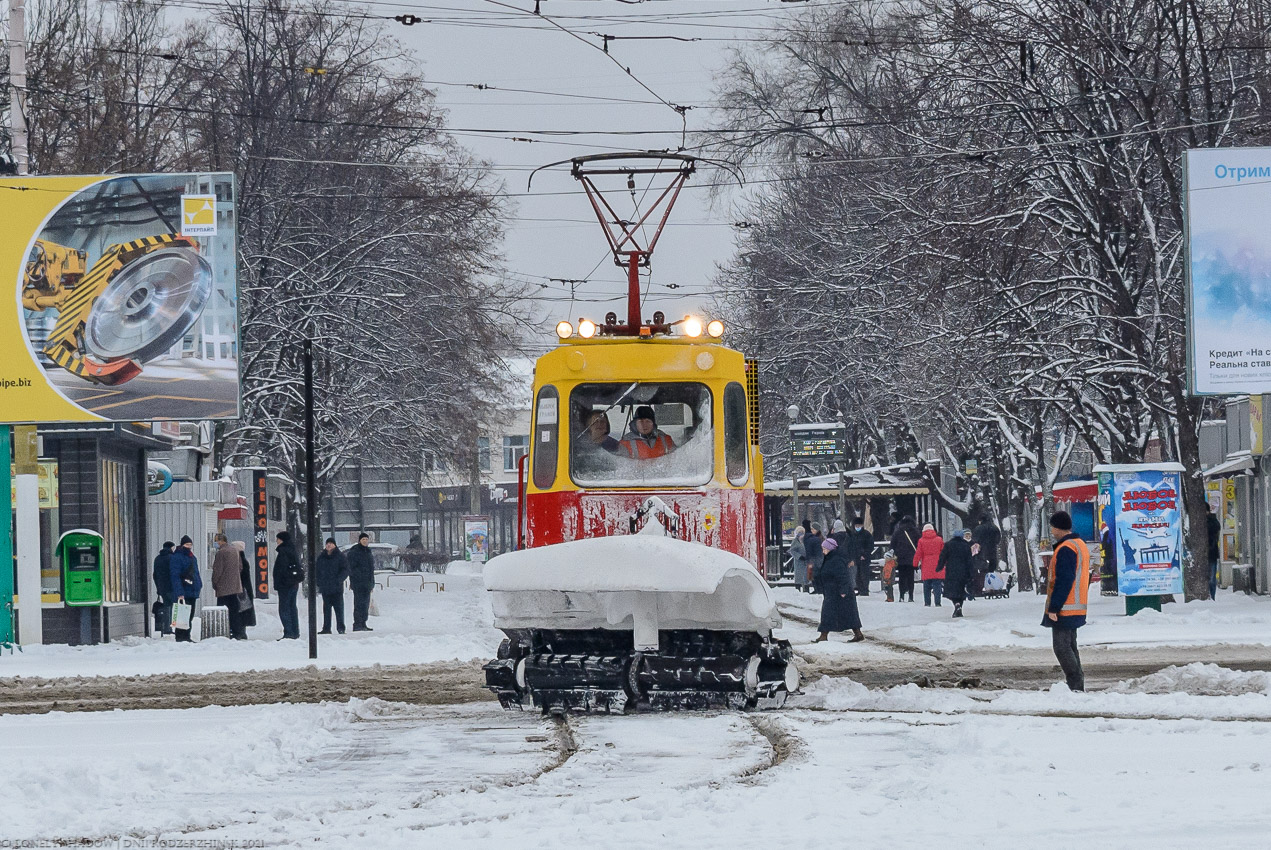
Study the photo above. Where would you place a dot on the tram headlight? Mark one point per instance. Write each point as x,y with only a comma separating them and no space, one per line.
693,326
715,328
564,329
586,328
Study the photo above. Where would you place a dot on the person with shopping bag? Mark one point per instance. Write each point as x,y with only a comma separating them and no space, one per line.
246,601
187,584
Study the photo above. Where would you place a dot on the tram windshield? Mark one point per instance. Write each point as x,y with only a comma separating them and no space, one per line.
641,434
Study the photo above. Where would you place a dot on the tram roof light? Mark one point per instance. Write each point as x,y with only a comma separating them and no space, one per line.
693,326
586,328
564,329
715,328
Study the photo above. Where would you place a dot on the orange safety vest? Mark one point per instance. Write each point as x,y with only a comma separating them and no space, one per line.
1075,604
639,449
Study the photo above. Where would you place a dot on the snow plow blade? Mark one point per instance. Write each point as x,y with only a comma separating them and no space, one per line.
635,622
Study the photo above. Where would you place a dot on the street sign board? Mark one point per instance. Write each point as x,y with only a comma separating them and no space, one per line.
817,441
126,301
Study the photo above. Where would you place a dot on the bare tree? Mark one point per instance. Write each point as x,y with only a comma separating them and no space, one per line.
985,200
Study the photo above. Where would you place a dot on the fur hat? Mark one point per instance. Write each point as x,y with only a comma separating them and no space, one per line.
283,536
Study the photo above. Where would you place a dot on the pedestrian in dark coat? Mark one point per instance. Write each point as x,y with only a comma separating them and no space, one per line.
246,602
1214,529
288,574
362,580
863,554
812,546
904,542
162,608
990,538
227,584
187,584
330,572
846,546
956,560
838,607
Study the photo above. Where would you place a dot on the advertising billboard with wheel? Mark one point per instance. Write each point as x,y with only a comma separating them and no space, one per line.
124,305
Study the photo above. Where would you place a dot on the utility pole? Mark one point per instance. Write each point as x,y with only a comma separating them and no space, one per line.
792,412
17,85
843,472
23,440
311,502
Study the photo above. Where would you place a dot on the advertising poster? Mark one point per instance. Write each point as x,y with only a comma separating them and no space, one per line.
1228,264
1147,527
476,538
122,301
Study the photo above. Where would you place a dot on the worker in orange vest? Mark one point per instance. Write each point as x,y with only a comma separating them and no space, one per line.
644,441
1066,591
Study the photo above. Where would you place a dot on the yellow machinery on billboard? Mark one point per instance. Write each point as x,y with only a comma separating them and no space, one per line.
125,305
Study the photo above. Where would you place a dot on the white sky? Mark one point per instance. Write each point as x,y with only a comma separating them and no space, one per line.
557,236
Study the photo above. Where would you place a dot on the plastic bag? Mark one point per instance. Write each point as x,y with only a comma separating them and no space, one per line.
181,614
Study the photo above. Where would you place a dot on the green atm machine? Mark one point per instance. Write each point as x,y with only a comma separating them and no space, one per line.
81,554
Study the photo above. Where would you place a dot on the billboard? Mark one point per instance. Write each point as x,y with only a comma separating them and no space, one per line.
1145,524
124,304
1228,203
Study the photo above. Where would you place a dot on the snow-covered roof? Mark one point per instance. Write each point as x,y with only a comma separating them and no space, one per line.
1239,462
1164,466
896,479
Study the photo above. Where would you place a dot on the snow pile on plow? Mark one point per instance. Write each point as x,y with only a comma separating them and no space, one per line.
614,582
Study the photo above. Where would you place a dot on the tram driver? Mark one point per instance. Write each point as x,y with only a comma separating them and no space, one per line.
597,431
645,441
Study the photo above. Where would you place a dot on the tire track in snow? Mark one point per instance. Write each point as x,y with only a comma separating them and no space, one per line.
762,732
782,743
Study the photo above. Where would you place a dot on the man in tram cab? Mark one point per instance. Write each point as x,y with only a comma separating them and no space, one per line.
644,441
597,432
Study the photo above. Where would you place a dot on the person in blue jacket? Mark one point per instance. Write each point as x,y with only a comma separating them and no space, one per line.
187,584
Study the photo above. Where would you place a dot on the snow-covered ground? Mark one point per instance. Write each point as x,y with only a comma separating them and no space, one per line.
1233,618
419,627
901,768
842,763
413,627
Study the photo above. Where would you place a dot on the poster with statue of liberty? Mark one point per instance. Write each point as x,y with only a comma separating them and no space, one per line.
1145,524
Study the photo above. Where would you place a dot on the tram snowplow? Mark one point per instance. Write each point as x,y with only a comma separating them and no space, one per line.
638,582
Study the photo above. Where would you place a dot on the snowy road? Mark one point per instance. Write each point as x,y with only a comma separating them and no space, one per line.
901,767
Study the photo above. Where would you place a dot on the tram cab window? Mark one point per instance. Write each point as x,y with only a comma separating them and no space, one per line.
641,434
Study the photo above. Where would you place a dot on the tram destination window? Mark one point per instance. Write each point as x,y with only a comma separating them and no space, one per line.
614,442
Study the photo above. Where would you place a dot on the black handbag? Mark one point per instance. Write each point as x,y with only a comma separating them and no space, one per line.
246,609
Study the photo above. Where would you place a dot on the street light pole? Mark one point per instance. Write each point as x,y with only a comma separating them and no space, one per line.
311,500
843,473
793,413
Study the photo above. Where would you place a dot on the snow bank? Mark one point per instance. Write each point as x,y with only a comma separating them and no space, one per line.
1200,679
835,694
